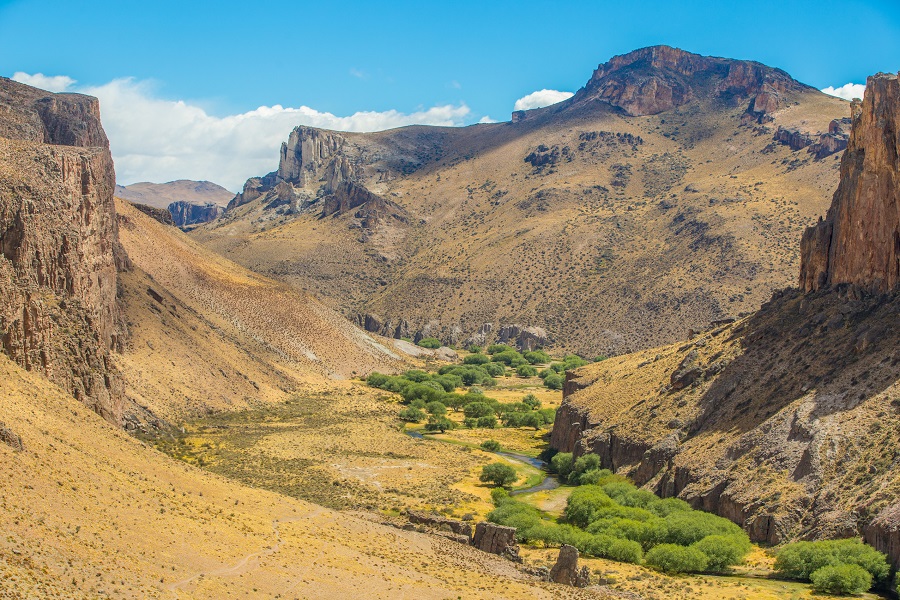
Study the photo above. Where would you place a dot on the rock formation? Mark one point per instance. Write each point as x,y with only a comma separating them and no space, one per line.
439,522
566,570
160,214
884,533
59,248
659,78
10,438
496,539
858,242
184,214
319,170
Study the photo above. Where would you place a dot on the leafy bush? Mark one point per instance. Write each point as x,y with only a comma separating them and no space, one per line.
526,371
412,414
495,348
416,375
553,381
537,357
495,369
490,445
441,424
532,419
477,409
436,408
499,474
665,506
672,558
561,464
583,504
430,342
573,361
476,359
583,464
470,423
474,349
449,382
723,551
626,494
487,421
841,579
801,559
509,357
531,401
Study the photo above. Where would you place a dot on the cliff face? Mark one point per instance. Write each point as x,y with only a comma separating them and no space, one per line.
659,78
59,249
185,214
319,171
858,242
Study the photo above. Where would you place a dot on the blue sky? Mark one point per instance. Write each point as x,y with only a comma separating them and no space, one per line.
227,58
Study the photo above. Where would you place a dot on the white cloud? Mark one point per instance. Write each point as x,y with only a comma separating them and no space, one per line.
487,119
57,83
848,91
541,98
153,139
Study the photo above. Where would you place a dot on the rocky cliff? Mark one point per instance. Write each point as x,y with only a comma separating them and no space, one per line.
59,249
858,242
186,214
319,171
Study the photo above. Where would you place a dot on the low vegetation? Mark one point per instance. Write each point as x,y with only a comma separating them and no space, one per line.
834,566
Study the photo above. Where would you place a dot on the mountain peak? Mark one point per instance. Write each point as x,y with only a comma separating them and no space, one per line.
656,79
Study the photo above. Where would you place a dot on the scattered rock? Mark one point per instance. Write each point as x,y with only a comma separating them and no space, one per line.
687,372
10,438
437,521
566,570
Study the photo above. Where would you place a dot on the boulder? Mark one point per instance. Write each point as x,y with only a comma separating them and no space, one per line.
687,372
10,438
566,570
456,527
496,539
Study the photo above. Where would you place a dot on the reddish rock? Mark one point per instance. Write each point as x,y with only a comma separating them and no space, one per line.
496,539
566,570
884,533
858,242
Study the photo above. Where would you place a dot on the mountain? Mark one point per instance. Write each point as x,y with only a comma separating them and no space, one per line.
664,195
189,202
785,421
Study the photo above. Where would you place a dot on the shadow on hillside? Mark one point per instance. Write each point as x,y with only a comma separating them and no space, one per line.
839,343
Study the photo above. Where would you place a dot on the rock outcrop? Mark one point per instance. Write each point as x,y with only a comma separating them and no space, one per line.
524,338
439,522
320,171
59,249
858,242
159,214
10,438
884,533
185,214
660,78
566,570
496,539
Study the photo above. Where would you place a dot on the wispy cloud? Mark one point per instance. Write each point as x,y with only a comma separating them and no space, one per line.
848,91
541,98
155,139
487,119
57,83
359,74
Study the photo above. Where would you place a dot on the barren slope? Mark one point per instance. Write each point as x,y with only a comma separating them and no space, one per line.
614,232
89,512
161,195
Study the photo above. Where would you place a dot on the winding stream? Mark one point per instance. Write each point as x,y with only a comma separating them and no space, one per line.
550,482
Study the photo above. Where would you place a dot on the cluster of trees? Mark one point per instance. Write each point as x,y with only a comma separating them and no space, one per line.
429,396
834,566
613,519
524,364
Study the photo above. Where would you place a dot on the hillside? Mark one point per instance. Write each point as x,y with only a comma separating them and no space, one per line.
161,195
89,512
667,193
785,421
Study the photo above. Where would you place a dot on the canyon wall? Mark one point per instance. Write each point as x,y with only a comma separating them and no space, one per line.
59,249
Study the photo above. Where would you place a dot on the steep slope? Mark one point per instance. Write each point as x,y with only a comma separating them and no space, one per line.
657,199
59,249
786,421
208,334
79,525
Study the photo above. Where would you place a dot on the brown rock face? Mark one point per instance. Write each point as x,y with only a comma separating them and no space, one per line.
185,214
659,78
858,242
566,570
59,248
496,539
884,533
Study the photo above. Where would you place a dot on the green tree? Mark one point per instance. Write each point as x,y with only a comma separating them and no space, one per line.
561,464
477,409
441,424
495,348
412,415
672,558
487,421
436,408
430,342
553,381
723,551
490,445
476,359
841,579
537,357
499,474
526,371
531,401
532,419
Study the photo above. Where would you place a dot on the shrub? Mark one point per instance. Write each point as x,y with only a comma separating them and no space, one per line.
476,359
449,382
487,421
595,477
626,494
526,371
422,391
531,401
532,419
490,445
470,423
666,506
607,546
561,464
553,381
495,369
474,349
499,474
499,496
430,342
537,357
800,559
582,464
411,414
436,408
672,558
549,414
495,348
841,579
723,551
418,403
416,375
477,409
573,361
441,424
685,528
508,357
583,504
377,380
